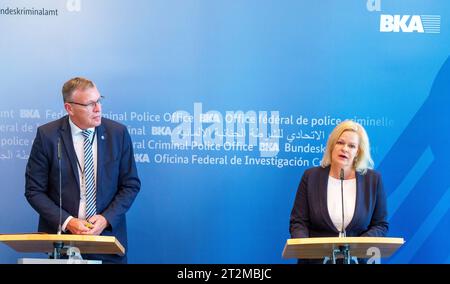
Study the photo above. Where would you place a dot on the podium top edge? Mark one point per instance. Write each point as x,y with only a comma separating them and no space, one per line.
346,240
55,237
36,242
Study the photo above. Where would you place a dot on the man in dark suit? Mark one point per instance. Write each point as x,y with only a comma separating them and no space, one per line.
98,173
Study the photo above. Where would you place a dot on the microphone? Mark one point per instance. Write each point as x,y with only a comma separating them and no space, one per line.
60,187
342,233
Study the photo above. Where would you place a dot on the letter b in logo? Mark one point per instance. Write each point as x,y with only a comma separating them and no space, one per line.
386,23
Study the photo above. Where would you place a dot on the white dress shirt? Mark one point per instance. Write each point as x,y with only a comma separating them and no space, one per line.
78,144
334,201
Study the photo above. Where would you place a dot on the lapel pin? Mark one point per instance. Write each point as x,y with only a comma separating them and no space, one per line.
103,137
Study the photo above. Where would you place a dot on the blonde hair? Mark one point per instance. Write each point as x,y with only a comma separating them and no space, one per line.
363,160
77,83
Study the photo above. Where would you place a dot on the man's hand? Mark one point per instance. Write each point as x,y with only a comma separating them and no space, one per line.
77,226
99,223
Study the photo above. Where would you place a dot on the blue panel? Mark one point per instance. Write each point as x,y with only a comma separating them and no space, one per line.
187,70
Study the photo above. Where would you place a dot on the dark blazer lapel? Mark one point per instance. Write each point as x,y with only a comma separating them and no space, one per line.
66,136
359,200
323,187
101,158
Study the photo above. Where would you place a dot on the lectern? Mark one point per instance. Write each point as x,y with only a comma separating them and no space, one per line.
318,248
53,243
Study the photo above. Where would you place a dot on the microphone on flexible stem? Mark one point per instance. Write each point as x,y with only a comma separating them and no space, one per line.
58,245
60,187
342,233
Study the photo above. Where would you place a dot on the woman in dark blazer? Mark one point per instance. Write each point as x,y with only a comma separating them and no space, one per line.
317,210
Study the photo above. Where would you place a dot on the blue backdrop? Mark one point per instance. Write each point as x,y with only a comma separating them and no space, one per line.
228,102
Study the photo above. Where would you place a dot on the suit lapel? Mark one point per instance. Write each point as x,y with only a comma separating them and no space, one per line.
101,154
359,200
66,137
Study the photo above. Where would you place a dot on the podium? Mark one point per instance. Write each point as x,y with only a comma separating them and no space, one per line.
53,243
335,247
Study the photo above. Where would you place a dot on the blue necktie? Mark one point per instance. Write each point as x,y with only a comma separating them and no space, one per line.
89,178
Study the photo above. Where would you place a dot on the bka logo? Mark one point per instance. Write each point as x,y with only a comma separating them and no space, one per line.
410,23
141,158
29,113
161,130
397,23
